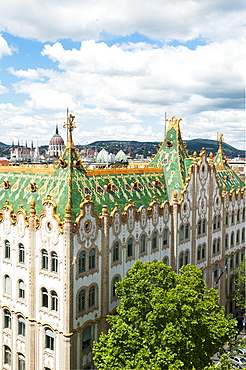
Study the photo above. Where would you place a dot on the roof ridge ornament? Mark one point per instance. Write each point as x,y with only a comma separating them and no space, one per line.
70,126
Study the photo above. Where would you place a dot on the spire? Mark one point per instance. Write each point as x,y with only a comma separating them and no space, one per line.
57,129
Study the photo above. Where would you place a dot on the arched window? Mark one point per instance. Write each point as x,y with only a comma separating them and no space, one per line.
21,253
218,245
143,243
86,338
49,339
181,259
81,301
7,289
181,233
203,250
21,362
7,355
232,217
165,237
7,249
214,246
21,289
204,226
238,215
243,214
54,262
218,222
237,259
92,259
226,242
199,227
232,262
21,326
154,240
116,280
186,258
44,259
187,231
7,319
82,262
198,253
165,260
44,297
130,248
54,301
232,238
238,237
92,296
215,223
227,218
116,252
243,235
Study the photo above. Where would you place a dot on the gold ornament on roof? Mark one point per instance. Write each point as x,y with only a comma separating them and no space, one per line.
174,122
70,126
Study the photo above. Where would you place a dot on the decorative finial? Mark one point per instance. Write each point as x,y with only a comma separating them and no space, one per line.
71,125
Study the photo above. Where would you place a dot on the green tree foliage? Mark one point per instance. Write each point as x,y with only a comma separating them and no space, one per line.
164,321
240,284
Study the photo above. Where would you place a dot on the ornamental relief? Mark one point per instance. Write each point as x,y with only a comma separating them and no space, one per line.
166,212
49,232
131,218
116,223
87,226
202,204
203,172
185,209
21,227
217,204
7,222
155,213
143,217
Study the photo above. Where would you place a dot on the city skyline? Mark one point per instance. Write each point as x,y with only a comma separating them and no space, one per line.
120,67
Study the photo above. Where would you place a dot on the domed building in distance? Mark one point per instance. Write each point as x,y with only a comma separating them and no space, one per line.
56,145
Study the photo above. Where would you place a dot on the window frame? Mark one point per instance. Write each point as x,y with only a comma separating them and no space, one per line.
21,253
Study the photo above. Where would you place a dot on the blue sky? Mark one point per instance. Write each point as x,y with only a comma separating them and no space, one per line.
119,65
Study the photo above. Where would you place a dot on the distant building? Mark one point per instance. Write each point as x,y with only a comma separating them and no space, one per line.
56,145
69,233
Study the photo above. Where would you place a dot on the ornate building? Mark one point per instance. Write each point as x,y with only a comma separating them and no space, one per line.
68,234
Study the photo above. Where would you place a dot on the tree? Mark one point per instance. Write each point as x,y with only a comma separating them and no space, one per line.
240,283
164,321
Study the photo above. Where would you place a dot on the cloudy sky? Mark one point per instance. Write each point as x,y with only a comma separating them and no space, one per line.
119,66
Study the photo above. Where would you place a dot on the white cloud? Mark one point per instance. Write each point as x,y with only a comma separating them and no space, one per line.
4,47
80,20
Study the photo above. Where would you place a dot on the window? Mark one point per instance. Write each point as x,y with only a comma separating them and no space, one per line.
238,215
54,262
54,301
7,319
92,261
7,355
21,362
7,284
92,296
204,250
232,239
116,252
130,248
243,214
116,280
21,253
204,226
44,259
227,218
186,257
165,237
7,249
237,259
21,289
181,233
49,339
216,271
187,231
218,221
214,246
199,227
44,297
231,262
198,253
82,260
142,243
181,259
154,240
226,242
21,326
215,223
165,260
238,237
86,338
243,235
81,301
218,245
232,217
